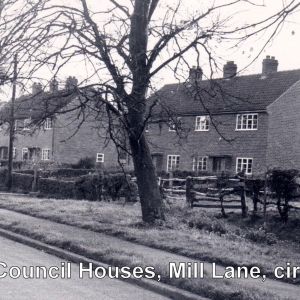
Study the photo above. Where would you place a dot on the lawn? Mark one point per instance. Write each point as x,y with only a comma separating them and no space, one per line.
194,233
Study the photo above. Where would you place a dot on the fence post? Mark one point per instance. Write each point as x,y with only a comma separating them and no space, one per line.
171,183
265,200
188,191
243,196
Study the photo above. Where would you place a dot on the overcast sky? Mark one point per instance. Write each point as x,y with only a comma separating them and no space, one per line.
285,47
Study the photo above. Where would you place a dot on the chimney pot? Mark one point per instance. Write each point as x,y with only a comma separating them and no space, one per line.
269,65
37,88
196,74
229,70
71,83
53,85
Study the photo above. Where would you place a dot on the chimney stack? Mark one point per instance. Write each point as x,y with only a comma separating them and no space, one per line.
37,88
53,85
71,83
196,74
269,65
229,70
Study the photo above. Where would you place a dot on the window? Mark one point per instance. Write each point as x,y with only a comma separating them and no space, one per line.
45,154
202,123
25,154
16,125
147,127
173,162
14,152
48,124
26,124
100,158
200,163
175,125
247,122
244,164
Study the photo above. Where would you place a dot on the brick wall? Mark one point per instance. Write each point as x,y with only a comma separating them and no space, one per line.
250,144
284,130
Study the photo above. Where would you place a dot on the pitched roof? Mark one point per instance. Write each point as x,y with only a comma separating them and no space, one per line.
241,93
36,107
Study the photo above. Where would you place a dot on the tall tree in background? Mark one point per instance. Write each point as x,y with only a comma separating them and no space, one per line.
127,43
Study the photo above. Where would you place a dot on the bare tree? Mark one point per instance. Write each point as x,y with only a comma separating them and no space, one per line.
126,44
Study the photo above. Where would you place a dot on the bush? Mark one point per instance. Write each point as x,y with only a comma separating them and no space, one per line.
204,222
68,172
283,184
260,236
3,176
56,188
92,187
89,187
85,163
22,181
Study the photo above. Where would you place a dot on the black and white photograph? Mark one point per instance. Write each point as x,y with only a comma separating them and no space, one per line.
150,149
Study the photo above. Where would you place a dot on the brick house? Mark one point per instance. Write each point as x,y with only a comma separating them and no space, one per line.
230,124
49,129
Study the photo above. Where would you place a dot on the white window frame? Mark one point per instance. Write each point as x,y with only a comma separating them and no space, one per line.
100,158
46,154
200,161
245,122
173,160
26,123
14,153
25,150
202,123
48,124
243,163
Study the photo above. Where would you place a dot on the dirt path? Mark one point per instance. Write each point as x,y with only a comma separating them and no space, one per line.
95,241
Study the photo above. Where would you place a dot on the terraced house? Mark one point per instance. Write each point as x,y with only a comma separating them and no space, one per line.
53,128
230,124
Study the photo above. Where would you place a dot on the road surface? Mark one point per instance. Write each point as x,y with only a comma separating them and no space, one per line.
15,254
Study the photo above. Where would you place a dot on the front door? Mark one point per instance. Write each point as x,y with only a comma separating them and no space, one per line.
217,164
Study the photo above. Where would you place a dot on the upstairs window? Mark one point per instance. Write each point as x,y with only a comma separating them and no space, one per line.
48,124
173,162
26,124
14,153
247,122
200,163
244,164
25,154
175,124
100,158
202,123
45,154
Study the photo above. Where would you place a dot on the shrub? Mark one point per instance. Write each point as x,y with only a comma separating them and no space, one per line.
260,236
22,181
204,222
56,188
283,184
68,172
93,186
3,176
89,187
85,163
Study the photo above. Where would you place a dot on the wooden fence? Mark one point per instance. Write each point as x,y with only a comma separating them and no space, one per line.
172,188
214,192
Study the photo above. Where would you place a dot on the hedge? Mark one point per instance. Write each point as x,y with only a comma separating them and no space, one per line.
22,181
56,188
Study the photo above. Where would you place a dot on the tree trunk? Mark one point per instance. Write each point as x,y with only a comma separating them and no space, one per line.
151,201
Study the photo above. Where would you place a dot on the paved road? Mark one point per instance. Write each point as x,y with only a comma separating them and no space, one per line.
15,254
